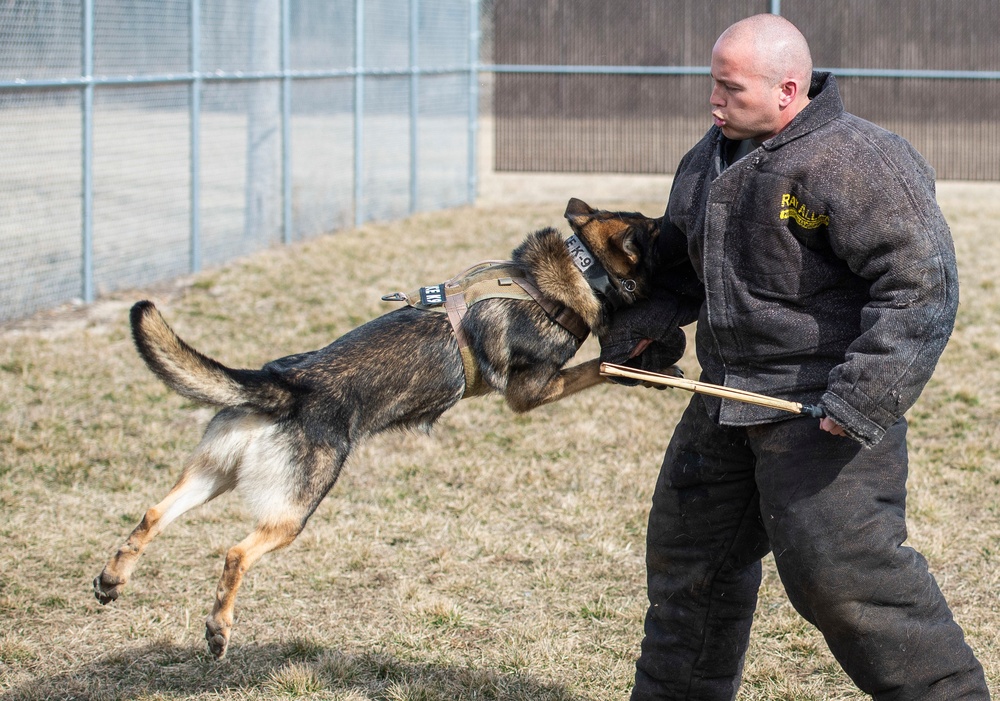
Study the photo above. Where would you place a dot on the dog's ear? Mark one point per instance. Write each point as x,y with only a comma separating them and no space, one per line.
625,240
578,212
637,238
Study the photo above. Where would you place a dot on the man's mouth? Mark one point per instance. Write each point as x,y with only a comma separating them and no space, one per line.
719,119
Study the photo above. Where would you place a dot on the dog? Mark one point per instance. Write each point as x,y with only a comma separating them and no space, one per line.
283,432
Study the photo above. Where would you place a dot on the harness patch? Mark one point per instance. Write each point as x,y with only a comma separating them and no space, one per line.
792,208
432,295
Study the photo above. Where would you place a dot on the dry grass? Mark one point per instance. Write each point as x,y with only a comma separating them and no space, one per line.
500,557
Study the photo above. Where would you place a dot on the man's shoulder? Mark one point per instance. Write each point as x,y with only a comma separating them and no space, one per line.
867,128
849,127
866,138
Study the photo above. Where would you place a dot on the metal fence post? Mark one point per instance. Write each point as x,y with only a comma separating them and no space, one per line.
359,100
118,262
414,101
195,136
472,167
775,7
87,126
286,121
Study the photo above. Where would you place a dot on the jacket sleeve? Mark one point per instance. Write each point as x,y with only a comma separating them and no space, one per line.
897,239
673,302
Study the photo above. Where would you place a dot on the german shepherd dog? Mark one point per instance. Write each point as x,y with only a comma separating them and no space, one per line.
284,431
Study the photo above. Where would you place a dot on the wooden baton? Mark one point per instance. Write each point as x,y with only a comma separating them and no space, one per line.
739,395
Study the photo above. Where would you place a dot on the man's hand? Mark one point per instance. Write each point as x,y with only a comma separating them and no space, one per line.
830,426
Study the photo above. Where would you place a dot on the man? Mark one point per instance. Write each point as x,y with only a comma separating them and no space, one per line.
826,275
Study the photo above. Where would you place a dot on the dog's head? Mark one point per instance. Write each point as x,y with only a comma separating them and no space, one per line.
622,242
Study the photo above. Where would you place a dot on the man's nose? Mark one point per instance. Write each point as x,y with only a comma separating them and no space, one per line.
715,99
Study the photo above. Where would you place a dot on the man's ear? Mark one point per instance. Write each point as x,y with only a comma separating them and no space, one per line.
789,91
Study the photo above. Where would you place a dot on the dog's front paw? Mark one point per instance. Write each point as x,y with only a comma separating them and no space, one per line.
107,587
217,635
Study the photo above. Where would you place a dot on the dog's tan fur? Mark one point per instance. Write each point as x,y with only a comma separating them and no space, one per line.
284,431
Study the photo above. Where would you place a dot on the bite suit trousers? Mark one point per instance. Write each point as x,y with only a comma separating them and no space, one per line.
832,512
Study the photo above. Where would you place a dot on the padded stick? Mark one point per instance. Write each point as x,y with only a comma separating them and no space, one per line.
739,395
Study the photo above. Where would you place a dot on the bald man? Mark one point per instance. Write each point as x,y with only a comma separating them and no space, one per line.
809,245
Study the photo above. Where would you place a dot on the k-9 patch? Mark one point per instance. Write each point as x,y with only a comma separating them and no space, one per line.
432,296
578,251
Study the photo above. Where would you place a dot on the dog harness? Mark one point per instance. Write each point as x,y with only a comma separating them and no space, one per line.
492,279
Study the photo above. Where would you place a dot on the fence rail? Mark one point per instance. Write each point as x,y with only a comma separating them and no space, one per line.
184,133
144,139
587,85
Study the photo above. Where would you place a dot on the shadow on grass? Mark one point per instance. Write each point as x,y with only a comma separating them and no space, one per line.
289,670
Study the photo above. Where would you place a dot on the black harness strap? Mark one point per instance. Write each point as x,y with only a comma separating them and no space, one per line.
559,313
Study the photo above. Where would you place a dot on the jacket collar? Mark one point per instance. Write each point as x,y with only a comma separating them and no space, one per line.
825,105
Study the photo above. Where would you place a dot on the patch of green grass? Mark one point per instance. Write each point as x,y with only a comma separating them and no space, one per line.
443,615
15,653
54,602
304,649
597,610
295,680
204,283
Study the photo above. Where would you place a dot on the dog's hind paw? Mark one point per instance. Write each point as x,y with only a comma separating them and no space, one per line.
107,588
217,636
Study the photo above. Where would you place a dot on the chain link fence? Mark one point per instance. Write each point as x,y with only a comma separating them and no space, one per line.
145,139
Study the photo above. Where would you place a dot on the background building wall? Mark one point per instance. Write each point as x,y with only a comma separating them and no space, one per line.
596,86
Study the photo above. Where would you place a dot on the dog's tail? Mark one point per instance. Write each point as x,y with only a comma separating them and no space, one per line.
198,377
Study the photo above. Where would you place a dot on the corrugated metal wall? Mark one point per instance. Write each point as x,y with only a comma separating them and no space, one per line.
926,69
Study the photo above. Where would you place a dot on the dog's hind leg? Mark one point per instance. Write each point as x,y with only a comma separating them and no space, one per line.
283,480
197,485
266,538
